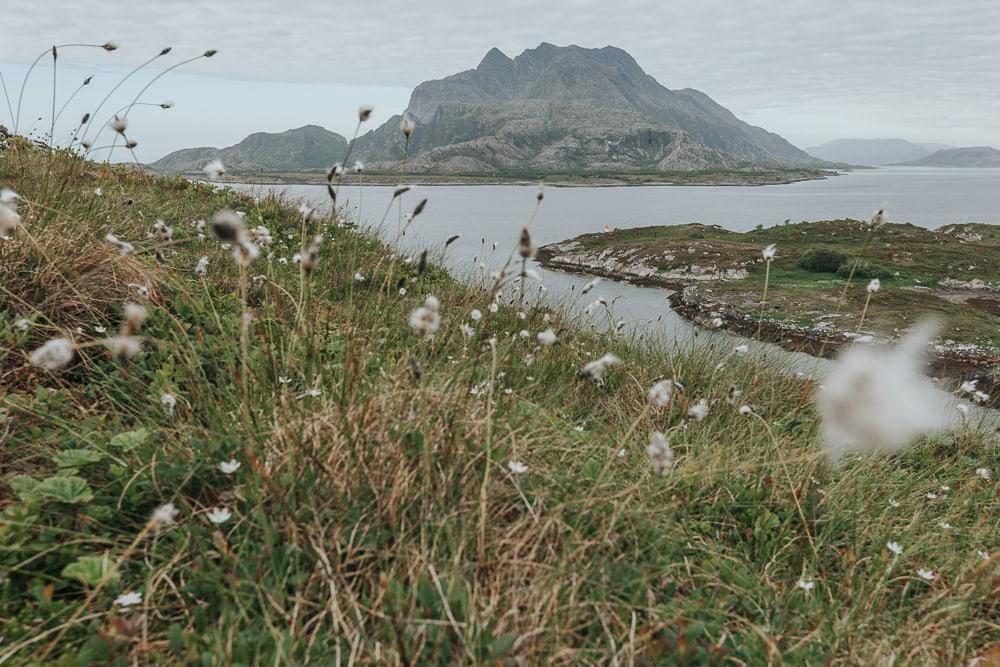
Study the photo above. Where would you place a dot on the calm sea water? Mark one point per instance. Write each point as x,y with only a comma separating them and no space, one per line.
488,214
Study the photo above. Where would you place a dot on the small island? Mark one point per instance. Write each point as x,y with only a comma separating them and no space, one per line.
716,278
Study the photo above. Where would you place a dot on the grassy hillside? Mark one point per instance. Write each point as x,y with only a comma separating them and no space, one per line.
375,516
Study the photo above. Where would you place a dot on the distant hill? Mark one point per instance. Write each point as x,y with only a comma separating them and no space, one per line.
973,156
872,152
561,109
307,147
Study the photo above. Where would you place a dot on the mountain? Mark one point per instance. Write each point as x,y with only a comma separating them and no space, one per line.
307,147
564,109
871,152
974,156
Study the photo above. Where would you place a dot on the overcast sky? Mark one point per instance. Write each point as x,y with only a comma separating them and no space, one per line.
812,71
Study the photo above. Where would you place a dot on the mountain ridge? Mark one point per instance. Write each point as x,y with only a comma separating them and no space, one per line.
570,108
980,157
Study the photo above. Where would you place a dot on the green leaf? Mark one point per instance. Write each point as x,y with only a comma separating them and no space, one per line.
92,570
24,486
502,644
76,458
70,489
130,439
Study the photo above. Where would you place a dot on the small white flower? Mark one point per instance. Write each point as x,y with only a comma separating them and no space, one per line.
99,329
931,495
741,349
769,252
621,453
402,291
124,247
202,265
746,410
893,503
54,354
282,379
547,338
164,515
699,410
659,394
806,584
229,467
984,473
985,555
169,402
476,315
22,325
426,319
219,515
128,599
517,467
214,169
467,331
894,547
494,307
98,192
315,392
944,525
926,575
358,278
968,387
659,453
578,429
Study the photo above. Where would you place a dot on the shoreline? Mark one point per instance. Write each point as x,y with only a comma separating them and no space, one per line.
952,365
388,180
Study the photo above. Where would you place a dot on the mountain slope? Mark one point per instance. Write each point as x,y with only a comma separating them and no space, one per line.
569,108
307,147
973,156
869,152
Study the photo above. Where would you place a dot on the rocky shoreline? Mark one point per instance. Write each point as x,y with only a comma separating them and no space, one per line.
951,363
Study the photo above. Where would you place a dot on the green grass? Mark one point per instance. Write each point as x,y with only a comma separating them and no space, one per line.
915,261
378,521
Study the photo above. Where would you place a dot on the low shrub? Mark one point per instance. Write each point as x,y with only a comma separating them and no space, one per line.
822,260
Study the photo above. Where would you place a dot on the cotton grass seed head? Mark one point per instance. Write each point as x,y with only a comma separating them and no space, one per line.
874,285
594,370
547,338
169,403
769,252
214,169
54,354
878,218
406,126
659,394
659,453
124,247
364,113
219,515
877,399
119,125
164,515
699,410
9,220
524,246
426,319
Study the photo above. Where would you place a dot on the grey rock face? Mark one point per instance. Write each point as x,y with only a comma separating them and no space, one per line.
565,109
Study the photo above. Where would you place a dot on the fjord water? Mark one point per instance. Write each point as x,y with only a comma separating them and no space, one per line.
926,197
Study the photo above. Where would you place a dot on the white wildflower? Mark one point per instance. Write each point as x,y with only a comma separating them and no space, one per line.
219,515
517,467
229,467
128,599
984,474
169,402
475,315
22,324
202,265
806,584
894,547
925,574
